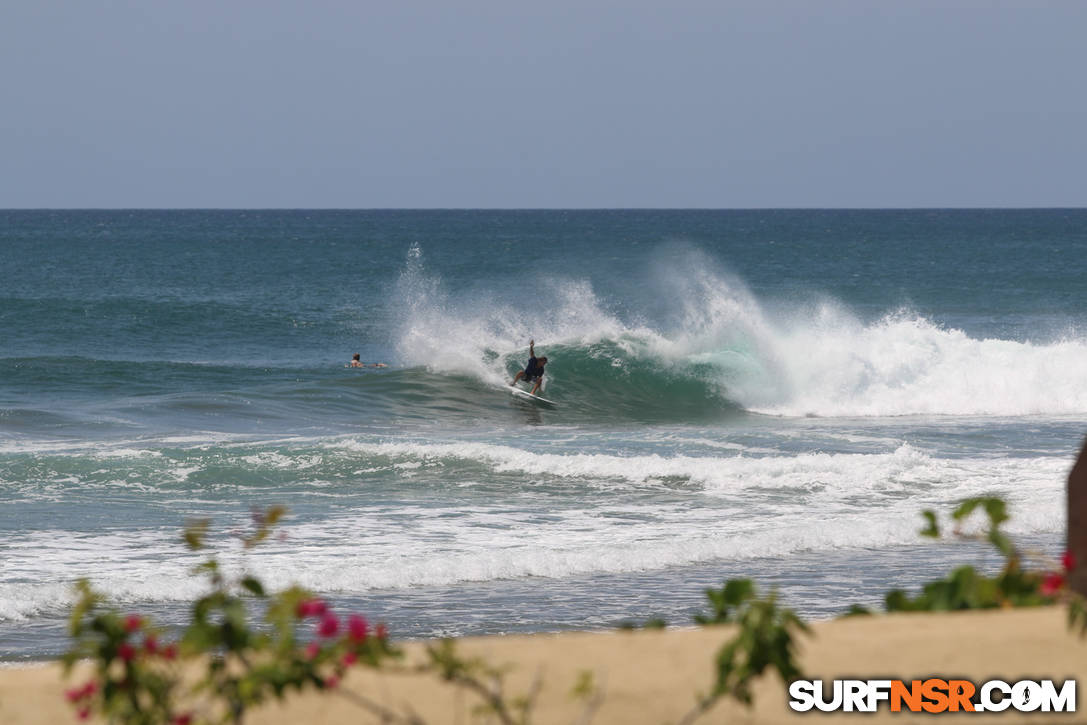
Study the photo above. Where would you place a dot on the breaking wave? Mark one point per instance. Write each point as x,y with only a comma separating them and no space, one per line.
710,348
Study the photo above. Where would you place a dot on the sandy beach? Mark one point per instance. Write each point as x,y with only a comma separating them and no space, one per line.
653,676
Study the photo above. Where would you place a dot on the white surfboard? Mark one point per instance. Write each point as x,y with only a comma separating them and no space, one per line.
525,394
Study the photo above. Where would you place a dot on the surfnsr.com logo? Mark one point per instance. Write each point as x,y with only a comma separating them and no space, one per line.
932,695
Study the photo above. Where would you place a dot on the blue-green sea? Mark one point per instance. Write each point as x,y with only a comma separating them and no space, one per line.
773,394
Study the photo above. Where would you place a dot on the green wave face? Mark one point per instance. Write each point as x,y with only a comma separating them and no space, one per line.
602,382
611,380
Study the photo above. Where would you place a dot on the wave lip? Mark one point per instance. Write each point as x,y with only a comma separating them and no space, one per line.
708,348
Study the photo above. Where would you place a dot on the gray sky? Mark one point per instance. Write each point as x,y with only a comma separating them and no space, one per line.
559,103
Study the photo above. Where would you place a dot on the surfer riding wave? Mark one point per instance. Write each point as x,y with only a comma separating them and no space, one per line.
534,369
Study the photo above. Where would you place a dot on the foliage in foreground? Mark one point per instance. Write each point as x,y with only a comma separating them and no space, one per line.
138,674
140,677
765,640
965,587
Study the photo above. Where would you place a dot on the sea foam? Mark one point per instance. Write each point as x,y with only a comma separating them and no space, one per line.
712,335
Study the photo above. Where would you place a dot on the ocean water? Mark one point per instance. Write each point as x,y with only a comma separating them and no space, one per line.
774,394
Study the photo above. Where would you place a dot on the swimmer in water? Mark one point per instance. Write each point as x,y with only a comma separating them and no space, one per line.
356,363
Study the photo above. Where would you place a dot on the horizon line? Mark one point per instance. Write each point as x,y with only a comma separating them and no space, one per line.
545,208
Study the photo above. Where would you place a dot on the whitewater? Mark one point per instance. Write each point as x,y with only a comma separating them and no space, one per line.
726,351
767,394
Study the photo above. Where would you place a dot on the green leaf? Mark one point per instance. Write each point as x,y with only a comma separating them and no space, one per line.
965,508
274,514
737,591
932,530
994,507
726,601
858,610
997,510
896,600
196,531
1002,543
765,639
253,586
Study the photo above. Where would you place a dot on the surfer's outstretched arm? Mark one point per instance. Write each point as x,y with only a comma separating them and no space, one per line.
532,348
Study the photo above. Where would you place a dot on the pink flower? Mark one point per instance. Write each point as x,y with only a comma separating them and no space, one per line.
357,628
80,693
1052,583
329,625
331,682
132,623
1068,561
169,652
382,632
349,658
184,719
126,652
312,608
312,650
150,644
